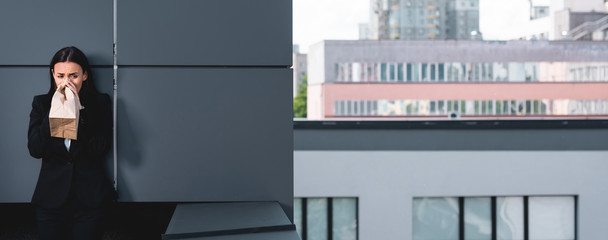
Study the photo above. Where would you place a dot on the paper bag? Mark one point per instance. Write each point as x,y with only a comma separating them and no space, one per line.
64,114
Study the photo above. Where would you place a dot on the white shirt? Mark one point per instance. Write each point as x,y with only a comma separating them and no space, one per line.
67,143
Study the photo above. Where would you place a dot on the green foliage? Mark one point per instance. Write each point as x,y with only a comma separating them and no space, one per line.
299,102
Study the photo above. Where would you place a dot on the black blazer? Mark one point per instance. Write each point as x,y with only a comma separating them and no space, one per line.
81,170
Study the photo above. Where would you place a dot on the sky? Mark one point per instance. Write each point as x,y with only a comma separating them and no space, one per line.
316,20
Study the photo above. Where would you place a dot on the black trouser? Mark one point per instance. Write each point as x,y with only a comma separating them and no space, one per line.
72,220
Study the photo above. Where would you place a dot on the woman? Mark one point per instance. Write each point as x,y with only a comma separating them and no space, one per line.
72,188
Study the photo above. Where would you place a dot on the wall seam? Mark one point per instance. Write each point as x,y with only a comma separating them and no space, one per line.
115,87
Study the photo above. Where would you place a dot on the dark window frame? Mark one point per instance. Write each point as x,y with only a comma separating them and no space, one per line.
329,215
494,234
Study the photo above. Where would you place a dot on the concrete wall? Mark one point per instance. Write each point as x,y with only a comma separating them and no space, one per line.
204,111
387,167
387,181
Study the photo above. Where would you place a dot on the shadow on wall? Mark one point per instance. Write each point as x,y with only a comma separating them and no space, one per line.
130,150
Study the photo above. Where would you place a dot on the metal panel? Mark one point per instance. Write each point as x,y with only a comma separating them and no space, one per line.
205,134
211,32
33,30
279,235
217,219
18,170
450,139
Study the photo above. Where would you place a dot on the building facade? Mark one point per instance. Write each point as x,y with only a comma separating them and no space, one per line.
457,79
424,19
299,71
424,180
558,19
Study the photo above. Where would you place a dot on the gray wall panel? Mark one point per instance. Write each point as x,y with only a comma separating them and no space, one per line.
33,30
450,139
18,170
205,134
210,32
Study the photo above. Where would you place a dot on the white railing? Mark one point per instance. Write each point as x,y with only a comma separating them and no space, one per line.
586,28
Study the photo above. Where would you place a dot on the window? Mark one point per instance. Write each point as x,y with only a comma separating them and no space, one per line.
486,218
425,72
400,72
326,218
435,218
392,73
425,107
552,217
441,72
383,70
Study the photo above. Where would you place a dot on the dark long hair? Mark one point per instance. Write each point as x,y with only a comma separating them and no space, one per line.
73,54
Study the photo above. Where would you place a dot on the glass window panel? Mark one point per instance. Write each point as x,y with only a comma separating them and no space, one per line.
543,108
409,72
336,107
376,72
490,71
316,221
344,220
361,107
433,69
392,72
475,74
408,110
425,72
375,107
551,218
400,72
478,218
416,72
498,107
350,108
531,71
337,72
383,72
449,72
484,73
463,107
501,73
510,218
297,215
465,70
435,218
441,72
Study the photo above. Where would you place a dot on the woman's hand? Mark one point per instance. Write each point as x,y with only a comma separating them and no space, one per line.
70,85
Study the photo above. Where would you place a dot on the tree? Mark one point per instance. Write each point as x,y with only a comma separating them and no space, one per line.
299,102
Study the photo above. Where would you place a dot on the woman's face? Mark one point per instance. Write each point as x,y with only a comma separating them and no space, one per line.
71,71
